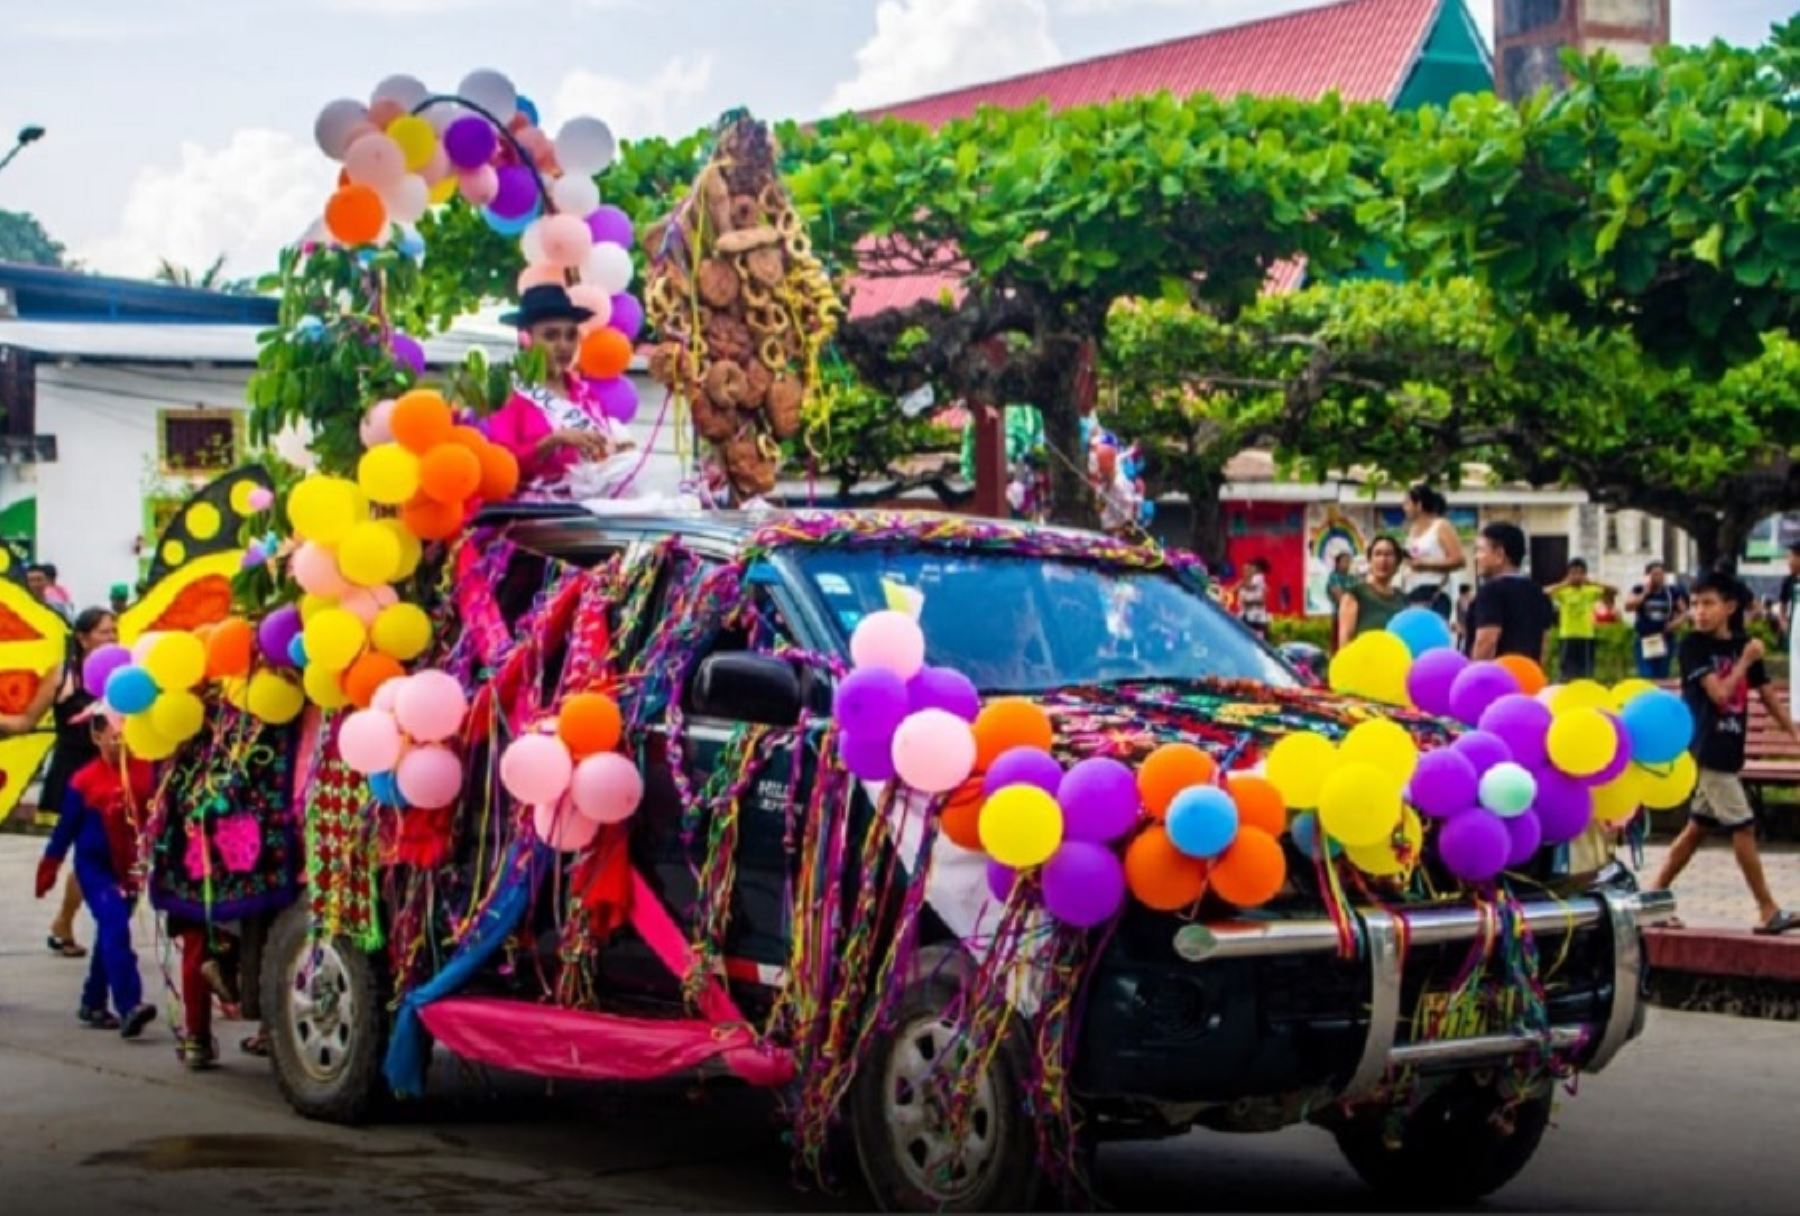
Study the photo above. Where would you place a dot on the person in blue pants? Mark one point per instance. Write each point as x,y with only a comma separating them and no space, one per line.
97,819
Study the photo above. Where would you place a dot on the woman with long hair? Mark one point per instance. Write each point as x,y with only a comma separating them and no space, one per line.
1433,550
1369,605
62,694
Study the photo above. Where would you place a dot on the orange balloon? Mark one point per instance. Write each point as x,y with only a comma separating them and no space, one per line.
355,215
1008,723
1259,803
589,722
429,519
368,673
1251,871
421,420
1160,876
499,473
468,437
229,649
962,813
605,353
1530,676
1168,770
449,473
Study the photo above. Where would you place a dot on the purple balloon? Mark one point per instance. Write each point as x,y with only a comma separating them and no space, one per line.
1482,749
870,757
102,663
1430,678
1564,805
1621,753
1444,784
870,703
1000,880
1474,845
945,689
406,349
470,142
1479,686
276,633
1023,766
517,193
1099,799
1522,723
1084,884
1525,833
617,397
608,223
627,315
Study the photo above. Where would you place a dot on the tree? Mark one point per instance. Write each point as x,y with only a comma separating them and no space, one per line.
211,279
23,239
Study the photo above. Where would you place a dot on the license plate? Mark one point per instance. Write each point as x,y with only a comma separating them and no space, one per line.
1473,1015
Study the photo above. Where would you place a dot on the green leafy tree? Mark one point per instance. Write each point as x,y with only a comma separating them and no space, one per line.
23,239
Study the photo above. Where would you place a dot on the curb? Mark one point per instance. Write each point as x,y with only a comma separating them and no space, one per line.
1731,953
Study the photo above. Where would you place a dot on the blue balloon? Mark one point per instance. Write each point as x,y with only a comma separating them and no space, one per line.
385,788
528,108
309,329
511,227
130,690
297,651
1659,724
1421,629
1306,834
411,244
1202,821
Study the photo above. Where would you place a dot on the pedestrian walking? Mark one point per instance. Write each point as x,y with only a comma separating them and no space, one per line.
1433,550
1657,606
1253,598
1510,613
1368,606
1577,597
1719,667
40,580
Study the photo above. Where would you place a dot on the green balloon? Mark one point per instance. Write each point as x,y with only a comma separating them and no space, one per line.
1508,789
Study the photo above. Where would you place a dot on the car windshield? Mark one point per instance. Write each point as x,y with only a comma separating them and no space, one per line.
1018,624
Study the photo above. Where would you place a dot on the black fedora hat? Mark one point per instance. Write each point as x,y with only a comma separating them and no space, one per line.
545,302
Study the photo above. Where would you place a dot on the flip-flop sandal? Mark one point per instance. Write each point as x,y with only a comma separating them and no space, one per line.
255,1045
67,947
1781,922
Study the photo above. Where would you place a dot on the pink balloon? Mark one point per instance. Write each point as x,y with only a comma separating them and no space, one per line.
384,111
536,769
479,185
934,751
539,274
375,160
566,240
430,706
606,788
438,167
363,603
140,649
889,639
429,777
369,741
407,198
262,498
378,423
559,826
315,568
388,695
384,595
596,301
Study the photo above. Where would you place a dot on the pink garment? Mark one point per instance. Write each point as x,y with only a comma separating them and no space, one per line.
520,425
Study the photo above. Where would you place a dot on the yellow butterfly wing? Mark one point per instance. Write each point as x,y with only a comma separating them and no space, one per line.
33,640
196,556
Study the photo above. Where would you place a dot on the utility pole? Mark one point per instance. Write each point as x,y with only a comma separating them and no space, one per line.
27,135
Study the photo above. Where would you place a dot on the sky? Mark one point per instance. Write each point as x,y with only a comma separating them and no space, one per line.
182,128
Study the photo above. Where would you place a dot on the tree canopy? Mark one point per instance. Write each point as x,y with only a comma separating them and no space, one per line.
23,239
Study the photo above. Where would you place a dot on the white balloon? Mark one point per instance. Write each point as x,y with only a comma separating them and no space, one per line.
407,199
405,91
491,91
531,242
442,114
608,267
335,123
585,145
575,194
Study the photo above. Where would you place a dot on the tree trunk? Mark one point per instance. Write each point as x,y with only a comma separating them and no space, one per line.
1207,535
1072,498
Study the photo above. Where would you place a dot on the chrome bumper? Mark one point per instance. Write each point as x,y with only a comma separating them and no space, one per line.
1624,914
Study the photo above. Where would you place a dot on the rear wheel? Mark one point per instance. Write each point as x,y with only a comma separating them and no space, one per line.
327,1025
1456,1147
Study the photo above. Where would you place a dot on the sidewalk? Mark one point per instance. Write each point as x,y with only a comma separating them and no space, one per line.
1718,915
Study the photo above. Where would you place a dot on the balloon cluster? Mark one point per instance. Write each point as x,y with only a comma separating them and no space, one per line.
150,688
401,742
571,773
1232,831
897,717
432,470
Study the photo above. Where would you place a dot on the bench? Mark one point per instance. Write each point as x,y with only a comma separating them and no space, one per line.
1771,755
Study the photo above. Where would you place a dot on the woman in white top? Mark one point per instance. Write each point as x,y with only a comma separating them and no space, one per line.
1433,552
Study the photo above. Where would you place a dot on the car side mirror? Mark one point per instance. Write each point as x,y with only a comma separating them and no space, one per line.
741,686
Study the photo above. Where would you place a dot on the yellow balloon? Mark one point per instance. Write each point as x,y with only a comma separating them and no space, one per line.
274,698
236,691
410,549
1298,765
441,190
1625,691
1667,786
1618,800
324,688
144,741
203,520
334,638
1359,805
388,474
1383,743
1020,826
1381,858
369,556
1581,741
177,715
401,631
1580,694
417,139
323,508
312,605
176,661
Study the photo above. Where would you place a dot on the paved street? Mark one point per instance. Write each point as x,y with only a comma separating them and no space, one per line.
1696,1117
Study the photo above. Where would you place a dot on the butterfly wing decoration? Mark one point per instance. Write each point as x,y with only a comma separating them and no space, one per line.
33,640
196,556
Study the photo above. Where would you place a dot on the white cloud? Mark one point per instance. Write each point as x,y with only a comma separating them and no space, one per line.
245,200
87,28
927,46
404,8
673,102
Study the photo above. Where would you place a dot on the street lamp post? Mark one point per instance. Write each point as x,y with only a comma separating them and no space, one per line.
27,135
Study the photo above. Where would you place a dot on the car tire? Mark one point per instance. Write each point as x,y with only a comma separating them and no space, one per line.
326,1007
900,1137
1449,1151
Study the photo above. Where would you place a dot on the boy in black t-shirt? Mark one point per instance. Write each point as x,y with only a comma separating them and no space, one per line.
1511,614
1718,669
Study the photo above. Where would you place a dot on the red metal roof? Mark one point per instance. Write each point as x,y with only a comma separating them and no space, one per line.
1362,49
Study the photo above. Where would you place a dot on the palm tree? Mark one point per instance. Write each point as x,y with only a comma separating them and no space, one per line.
211,279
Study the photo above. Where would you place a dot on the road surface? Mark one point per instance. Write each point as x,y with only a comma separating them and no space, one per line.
1696,1116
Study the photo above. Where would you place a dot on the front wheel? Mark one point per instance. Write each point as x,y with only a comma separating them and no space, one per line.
1461,1144
327,1024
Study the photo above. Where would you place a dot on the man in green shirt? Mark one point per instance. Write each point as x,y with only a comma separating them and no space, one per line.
1575,598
